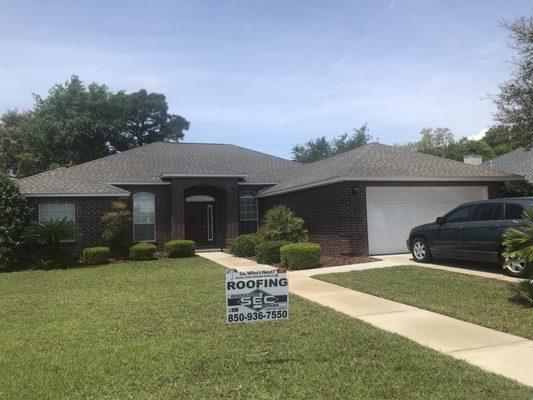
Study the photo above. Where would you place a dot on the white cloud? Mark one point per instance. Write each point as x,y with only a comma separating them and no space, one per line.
480,135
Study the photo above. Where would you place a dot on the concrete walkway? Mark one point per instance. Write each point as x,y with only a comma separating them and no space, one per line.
491,350
466,268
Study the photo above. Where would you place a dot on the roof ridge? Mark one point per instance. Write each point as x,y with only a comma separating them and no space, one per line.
260,152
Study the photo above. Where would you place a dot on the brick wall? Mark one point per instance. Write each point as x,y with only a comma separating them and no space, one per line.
335,215
89,212
328,213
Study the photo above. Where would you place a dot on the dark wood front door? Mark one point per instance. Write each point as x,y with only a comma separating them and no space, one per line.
200,222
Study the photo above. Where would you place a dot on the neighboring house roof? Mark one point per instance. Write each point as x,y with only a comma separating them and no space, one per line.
149,163
379,162
518,161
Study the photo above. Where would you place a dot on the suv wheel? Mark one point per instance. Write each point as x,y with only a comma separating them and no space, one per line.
420,250
516,268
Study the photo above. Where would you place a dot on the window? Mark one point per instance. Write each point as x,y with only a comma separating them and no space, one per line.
513,211
486,212
460,215
247,213
54,210
143,217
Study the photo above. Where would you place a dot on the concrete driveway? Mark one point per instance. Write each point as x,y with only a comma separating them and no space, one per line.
476,268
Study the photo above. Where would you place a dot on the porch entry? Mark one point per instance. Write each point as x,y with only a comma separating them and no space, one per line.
200,220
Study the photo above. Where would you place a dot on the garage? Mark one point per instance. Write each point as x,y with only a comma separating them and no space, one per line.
393,211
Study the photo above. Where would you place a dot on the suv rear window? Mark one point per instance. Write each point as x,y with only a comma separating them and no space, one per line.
513,211
486,212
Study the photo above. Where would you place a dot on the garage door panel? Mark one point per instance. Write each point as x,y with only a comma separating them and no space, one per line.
393,211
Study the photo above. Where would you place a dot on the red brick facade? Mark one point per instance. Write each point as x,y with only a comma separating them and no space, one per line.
335,215
89,212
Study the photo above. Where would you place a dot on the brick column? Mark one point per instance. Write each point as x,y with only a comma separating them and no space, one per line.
177,210
232,212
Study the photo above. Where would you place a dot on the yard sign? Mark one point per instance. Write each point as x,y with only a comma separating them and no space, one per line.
256,296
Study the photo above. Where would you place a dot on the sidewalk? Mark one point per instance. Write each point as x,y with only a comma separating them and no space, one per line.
491,350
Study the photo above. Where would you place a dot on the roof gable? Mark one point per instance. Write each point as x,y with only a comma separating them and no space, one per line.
376,161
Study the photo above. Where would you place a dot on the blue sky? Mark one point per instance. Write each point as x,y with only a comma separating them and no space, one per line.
271,74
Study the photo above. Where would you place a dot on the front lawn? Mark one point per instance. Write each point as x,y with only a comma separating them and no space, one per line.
482,301
156,330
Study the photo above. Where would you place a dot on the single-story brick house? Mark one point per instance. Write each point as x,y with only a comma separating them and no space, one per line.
360,202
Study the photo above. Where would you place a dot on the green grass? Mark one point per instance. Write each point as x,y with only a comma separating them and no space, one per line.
156,330
482,301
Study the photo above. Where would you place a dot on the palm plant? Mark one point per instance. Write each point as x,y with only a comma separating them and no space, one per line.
518,243
49,236
280,223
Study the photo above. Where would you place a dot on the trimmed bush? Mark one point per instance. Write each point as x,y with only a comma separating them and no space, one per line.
267,252
142,251
180,248
244,245
96,255
300,255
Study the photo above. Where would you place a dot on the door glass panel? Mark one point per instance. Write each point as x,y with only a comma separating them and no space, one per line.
460,215
484,212
513,211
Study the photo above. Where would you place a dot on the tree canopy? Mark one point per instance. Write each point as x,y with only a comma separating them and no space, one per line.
320,148
515,100
76,123
441,142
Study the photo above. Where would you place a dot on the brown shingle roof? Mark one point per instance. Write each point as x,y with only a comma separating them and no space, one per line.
376,161
149,162
519,161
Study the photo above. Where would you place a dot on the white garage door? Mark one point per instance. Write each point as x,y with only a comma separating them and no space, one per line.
393,211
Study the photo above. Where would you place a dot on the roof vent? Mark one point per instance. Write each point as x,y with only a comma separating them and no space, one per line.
473,158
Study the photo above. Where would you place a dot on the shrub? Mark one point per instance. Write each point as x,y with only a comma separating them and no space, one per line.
280,223
117,228
96,255
244,245
523,291
15,217
300,255
518,241
267,252
142,251
180,248
47,238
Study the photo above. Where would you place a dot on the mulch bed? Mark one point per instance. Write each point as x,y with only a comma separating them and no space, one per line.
331,261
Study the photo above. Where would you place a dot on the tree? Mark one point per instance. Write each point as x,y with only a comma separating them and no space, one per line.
320,148
75,123
147,120
117,228
441,142
14,158
499,139
515,100
15,218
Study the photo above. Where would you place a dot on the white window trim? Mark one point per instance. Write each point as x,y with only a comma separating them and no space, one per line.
253,196
155,218
73,240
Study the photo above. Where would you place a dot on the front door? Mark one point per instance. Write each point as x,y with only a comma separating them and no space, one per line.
199,223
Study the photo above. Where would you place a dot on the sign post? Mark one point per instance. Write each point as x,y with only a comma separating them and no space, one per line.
256,296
